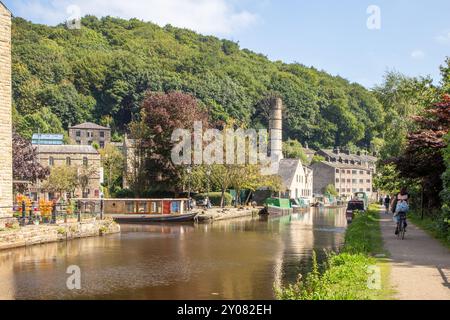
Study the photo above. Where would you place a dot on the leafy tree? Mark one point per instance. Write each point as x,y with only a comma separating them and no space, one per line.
26,166
330,190
113,163
62,179
292,149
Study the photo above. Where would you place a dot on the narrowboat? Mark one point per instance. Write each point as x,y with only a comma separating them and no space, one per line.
277,206
130,211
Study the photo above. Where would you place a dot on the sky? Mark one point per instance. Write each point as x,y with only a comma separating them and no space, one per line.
359,40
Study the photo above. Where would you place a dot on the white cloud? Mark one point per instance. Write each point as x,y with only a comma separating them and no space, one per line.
443,38
218,17
417,54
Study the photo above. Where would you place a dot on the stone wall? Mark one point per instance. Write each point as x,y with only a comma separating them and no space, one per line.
6,196
32,235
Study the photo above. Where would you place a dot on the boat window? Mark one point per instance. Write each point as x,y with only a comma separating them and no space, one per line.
175,207
142,207
130,206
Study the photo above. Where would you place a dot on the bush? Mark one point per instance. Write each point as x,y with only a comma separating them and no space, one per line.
215,198
124,193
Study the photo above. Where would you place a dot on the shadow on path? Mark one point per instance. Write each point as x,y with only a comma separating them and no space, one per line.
420,264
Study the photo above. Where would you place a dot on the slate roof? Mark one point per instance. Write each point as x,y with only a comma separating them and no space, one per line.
90,125
45,136
287,170
73,149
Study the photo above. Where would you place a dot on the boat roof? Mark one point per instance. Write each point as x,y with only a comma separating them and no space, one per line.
133,199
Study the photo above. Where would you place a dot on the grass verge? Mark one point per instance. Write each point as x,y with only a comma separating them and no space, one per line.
431,227
353,274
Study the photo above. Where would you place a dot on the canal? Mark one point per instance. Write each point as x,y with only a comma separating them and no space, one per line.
237,259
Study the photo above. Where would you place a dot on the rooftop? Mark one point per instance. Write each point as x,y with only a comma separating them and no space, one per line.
90,125
73,149
47,136
287,170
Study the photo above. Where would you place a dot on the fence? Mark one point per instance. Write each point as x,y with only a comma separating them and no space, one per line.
77,210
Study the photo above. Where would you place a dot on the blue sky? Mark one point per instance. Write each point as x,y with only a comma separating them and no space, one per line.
331,35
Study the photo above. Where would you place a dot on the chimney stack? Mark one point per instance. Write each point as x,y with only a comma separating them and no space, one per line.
276,129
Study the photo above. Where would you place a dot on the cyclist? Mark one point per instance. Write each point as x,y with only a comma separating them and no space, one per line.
400,206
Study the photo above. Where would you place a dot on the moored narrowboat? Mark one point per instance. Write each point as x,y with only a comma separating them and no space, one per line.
148,210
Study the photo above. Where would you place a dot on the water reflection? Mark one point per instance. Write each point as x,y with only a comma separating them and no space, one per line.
238,259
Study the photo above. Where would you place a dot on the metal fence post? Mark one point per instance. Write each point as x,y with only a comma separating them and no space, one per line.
24,208
53,214
101,209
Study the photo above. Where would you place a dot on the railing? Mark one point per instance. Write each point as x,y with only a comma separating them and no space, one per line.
63,212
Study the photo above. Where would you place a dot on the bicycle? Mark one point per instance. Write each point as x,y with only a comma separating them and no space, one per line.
401,226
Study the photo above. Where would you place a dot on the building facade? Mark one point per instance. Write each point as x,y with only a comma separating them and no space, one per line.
348,173
89,133
297,179
6,176
77,156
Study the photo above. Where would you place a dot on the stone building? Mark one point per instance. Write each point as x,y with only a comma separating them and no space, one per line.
88,133
77,156
297,179
348,173
6,194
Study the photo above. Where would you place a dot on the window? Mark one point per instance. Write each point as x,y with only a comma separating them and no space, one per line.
354,181
90,142
349,172
102,144
361,172
130,206
85,161
337,190
337,180
89,134
102,134
368,181
361,181
348,180
78,133
51,161
78,142
369,190
68,161
354,172
337,170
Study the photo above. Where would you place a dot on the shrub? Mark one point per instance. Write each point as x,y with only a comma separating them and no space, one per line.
215,198
124,193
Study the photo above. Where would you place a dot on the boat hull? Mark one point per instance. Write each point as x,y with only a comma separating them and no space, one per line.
149,219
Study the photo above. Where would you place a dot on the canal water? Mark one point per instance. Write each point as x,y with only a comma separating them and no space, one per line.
237,259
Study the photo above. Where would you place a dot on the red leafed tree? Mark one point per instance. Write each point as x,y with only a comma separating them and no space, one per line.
423,158
162,114
25,163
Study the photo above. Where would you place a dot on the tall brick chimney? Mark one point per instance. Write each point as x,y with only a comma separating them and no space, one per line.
276,129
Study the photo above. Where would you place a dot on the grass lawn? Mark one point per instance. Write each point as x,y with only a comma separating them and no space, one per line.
430,226
349,274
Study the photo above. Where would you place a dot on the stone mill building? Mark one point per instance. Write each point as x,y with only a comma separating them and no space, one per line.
6,195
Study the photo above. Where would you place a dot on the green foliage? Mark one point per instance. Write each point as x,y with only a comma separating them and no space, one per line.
330,190
388,180
345,275
103,71
215,198
292,149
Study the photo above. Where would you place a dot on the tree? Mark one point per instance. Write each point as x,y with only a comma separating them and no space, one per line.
422,158
26,166
62,179
162,115
84,175
330,190
113,162
292,149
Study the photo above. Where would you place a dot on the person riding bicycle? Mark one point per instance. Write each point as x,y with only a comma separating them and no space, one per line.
400,207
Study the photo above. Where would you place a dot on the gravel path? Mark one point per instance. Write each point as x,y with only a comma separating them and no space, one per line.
420,264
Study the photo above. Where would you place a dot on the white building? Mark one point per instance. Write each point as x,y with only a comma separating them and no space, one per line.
297,179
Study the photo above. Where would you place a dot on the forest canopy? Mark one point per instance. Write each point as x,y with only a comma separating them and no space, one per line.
102,72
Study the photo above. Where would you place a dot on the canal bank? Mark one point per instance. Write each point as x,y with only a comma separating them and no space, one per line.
16,236
359,271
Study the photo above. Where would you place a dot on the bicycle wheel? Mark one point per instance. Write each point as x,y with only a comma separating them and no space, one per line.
403,230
